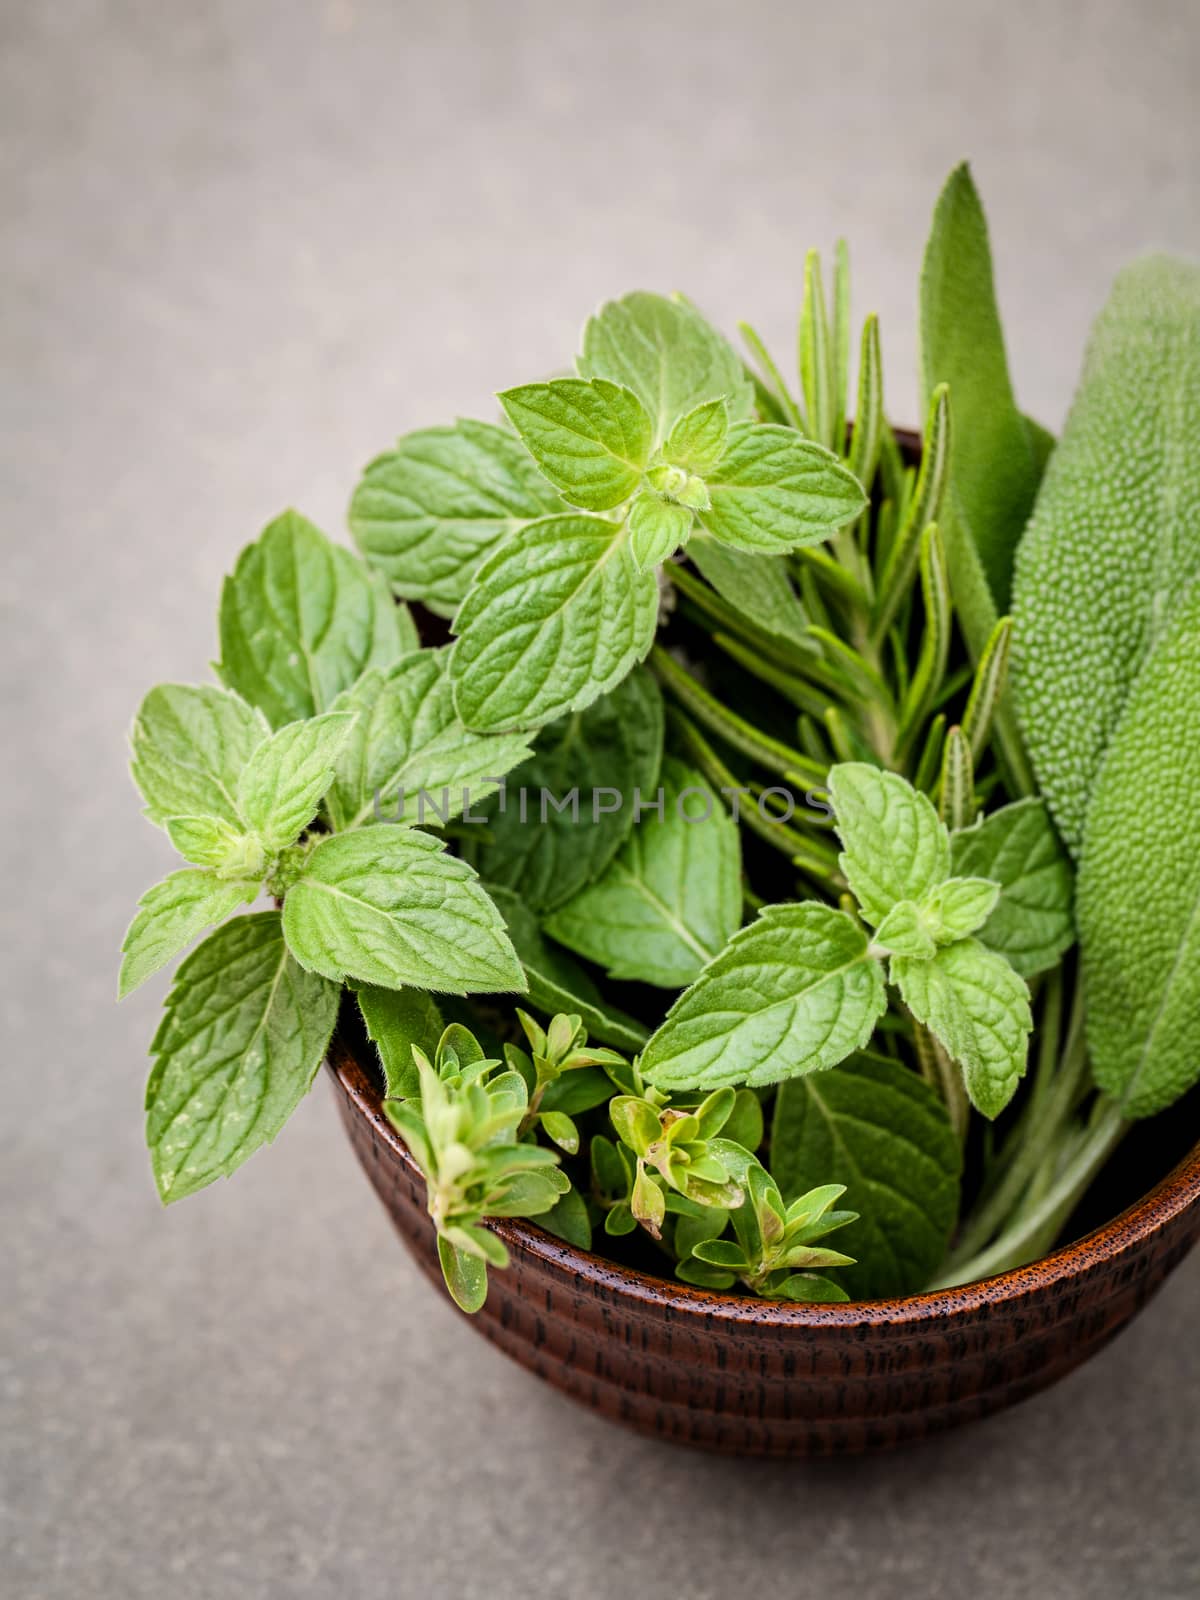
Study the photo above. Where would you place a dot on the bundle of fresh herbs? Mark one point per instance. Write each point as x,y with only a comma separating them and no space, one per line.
796,776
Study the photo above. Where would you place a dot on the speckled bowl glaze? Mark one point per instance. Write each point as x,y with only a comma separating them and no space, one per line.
753,1377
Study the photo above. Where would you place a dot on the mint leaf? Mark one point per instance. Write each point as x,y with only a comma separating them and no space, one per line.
606,755
407,738
894,846
972,1000
657,528
905,932
959,907
794,992
757,586
670,357
697,441
395,1020
169,917
287,776
1115,534
244,1033
389,906
592,440
1139,883
1018,848
190,743
671,898
553,620
774,491
874,1126
301,618
210,842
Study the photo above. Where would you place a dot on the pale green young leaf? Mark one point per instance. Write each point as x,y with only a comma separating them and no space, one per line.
773,491
389,906
211,842
978,1007
959,907
1018,848
287,776
757,586
893,845
657,528
427,512
794,992
244,1032
666,352
556,618
396,1020
301,618
590,439
869,422
816,357
465,1274
672,897
190,743
874,1126
697,441
905,932
170,916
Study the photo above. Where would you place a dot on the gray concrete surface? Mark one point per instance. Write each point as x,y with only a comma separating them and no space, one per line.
244,245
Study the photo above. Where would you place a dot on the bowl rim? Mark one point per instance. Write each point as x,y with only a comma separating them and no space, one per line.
1173,1195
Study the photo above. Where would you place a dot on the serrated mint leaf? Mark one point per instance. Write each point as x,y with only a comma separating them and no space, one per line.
697,441
959,907
540,841
244,1033
1115,534
190,743
1017,848
211,842
553,620
894,847
670,357
905,932
774,491
591,439
757,586
389,906
1139,883
794,992
395,1020
170,916
874,1126
657,528
978,1007
672,897
301,619
409,746
285,779
428,512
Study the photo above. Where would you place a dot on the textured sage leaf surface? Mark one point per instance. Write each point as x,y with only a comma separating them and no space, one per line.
389,906
793,992
756,585
874,1126
774,491
170,916
672,897
894,847
978,1007
556,618
1018,848
301,618
287,776
408,738
395,1020
244,1032
428,512
994,471
1139,883
190,743
670,357
592,440
1115,533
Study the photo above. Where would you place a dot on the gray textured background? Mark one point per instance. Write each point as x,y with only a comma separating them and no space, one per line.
244,246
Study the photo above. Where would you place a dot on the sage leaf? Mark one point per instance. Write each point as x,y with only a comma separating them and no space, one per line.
396,1020
591,439
657,528
287,776
190,743
244,1032
1018,848
672,897
893,845
427,512
794,992
874,1126
1139,883
773,491
666,352
1115,534
301,619
978,1007
170,916
757,586
389,906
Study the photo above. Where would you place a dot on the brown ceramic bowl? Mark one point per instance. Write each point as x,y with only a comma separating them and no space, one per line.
755,1377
